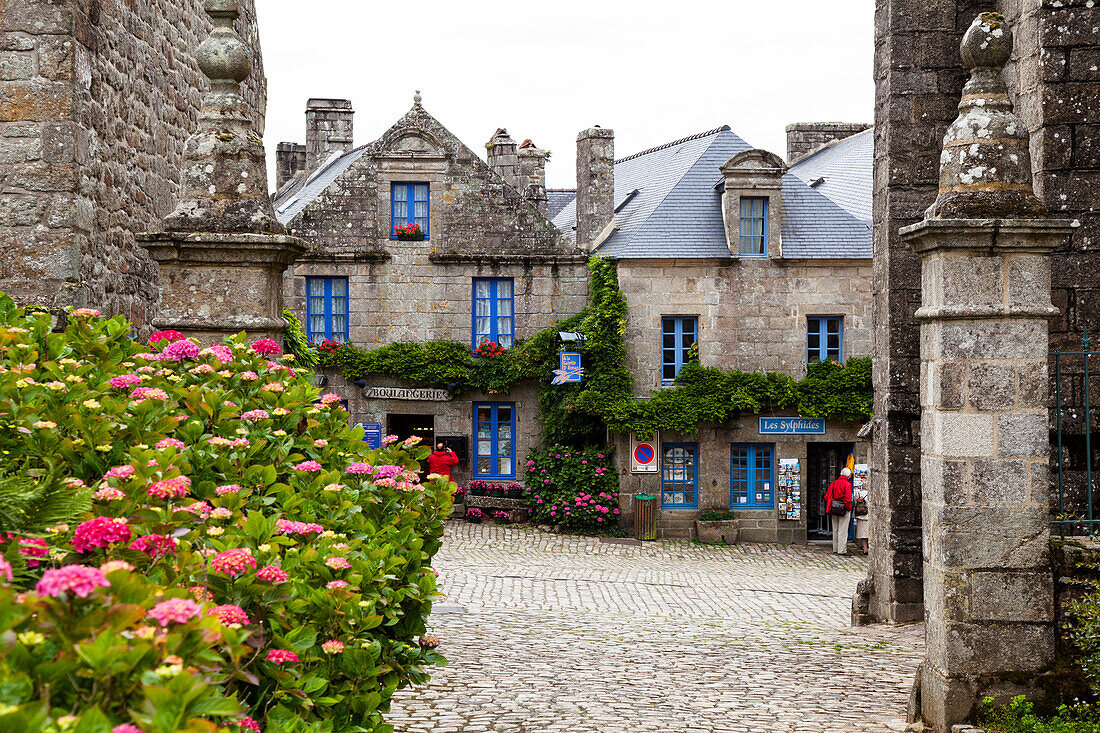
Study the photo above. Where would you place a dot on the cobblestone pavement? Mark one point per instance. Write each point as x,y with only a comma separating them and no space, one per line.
563,633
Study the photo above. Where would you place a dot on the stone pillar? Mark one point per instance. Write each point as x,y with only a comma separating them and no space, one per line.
595,182
501,151
985,275
290,160
329,129
531,174
222,252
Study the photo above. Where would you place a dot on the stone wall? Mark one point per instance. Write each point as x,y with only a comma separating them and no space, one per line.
919,79
751,312
804,138
96,101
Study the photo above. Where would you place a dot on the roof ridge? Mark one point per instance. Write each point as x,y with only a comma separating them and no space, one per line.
715,131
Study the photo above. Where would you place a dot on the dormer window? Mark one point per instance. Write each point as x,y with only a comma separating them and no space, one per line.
753,230
409,211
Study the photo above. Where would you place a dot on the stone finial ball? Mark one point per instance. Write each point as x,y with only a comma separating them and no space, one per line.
224,56
221,7
988,42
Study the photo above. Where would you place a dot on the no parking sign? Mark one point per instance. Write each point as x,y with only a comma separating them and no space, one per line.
643,455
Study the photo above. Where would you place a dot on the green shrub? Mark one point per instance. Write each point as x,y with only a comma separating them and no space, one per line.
1019,717
219,476
717,515
574,488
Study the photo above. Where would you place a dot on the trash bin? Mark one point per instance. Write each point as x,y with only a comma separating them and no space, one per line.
645,517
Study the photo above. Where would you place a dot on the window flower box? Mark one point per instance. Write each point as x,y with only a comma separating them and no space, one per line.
473,516
514,490
408,233
477,487
718,527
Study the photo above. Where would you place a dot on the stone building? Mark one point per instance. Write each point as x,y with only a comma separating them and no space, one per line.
762,266
1053,81
491,267
96,102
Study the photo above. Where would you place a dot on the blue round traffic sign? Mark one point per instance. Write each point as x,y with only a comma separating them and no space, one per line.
643,454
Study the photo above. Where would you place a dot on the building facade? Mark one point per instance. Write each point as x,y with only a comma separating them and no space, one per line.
491,267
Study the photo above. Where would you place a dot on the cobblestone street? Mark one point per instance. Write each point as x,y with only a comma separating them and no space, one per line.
560,633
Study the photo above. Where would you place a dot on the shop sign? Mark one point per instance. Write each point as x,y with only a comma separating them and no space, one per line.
792,426
372,434
570,370
403,393
643,455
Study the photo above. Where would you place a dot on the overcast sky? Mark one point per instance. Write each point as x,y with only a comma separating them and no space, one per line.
653,72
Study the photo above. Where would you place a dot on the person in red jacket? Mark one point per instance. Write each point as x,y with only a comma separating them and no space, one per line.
840,491
441,460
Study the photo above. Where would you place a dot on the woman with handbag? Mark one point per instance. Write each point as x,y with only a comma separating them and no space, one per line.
861,509
838,499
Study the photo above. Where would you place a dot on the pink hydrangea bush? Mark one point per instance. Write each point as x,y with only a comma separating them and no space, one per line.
573,488
209,537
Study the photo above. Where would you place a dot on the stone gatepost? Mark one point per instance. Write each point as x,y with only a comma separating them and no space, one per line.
988,586
222,253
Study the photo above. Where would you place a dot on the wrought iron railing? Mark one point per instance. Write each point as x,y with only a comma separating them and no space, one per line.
1073,451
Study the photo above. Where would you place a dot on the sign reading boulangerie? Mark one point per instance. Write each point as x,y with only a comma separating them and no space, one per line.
405,393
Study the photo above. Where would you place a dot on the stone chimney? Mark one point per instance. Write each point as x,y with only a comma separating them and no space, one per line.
290,160
502,156
804,138
531,174
328,129
222,252
595,182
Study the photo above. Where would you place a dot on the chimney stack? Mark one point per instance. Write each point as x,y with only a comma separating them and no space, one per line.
531,174
290,160
328,129
502,156
595,182
804,138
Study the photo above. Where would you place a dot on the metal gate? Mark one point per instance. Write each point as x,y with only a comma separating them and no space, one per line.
1075,462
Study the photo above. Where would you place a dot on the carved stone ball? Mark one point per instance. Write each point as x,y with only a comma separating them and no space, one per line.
987,42
215,7
224,56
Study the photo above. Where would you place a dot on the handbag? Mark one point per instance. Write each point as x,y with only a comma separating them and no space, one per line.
838,508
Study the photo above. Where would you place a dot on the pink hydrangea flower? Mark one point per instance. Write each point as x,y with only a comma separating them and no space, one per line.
125,471
172,488
223,353
285,526
249,376
199,507
155,544
227,489
200,593
272,387
202,369
218,441
77,579
229,614
358,468
272,574
389,440
180,350
336,584
255,415
338,563
386,471
171,443
33,547
126,728
174,610
308,466
248,724
233,562
332,646
266,346
5,569
221,513
85,312
112,565
100,532
329,397
148,393
108,493
168,335
281,656
125,380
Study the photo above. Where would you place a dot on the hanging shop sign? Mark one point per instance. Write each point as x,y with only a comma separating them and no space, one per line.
570,370
403,393
372,434
643,455
792,426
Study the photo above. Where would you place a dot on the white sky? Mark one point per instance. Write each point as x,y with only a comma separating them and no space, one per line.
653,72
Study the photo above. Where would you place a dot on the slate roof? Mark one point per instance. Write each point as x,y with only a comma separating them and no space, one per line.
290,201
558,198
846,165
668,203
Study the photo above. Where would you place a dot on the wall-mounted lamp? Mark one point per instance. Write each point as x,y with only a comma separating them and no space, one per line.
570,336
322,380
360,383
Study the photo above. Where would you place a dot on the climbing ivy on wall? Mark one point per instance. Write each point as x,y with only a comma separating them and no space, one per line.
578,414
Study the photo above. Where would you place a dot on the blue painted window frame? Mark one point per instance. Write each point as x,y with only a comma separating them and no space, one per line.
673,486
747,475
331,303
673,358
495,439
754,221
495,334
404,193
819,330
